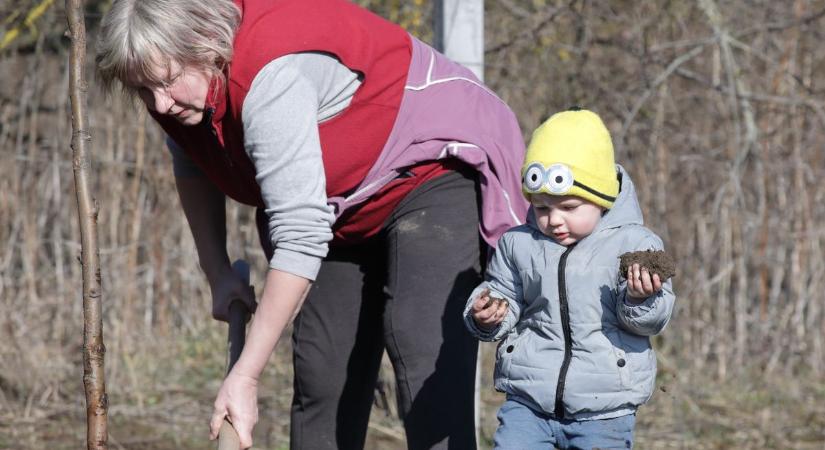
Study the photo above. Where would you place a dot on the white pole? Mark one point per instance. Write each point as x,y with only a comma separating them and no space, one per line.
459,34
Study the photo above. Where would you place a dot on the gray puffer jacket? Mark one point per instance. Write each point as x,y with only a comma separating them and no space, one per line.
572,346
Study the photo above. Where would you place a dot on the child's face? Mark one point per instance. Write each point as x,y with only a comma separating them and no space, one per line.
566,219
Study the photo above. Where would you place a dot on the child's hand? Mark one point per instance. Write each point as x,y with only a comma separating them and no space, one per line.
640,284
488,312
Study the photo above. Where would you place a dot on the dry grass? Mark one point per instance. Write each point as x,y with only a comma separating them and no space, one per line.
168,410
717,112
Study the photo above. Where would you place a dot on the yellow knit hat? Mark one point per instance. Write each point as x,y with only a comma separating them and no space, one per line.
571,154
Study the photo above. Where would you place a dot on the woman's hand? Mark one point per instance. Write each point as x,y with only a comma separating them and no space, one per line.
227,286
282,297
488,312
640,284
237,399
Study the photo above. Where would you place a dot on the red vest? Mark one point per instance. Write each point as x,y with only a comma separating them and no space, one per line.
351,141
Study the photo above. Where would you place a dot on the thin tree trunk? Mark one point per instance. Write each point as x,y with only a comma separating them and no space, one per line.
93,349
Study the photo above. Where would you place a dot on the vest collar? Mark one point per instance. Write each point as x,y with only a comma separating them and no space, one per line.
214,107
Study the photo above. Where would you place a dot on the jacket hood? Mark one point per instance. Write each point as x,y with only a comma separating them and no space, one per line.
626,209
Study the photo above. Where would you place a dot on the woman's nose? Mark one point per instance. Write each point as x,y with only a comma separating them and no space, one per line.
162,101
156,99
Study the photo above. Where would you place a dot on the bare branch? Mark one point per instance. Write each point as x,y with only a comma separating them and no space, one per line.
93,348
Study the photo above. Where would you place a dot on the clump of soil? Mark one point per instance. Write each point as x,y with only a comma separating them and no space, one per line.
655,261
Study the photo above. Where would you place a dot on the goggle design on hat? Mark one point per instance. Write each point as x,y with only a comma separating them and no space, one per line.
556,179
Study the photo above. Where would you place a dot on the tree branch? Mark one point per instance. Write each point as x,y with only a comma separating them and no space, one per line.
93,348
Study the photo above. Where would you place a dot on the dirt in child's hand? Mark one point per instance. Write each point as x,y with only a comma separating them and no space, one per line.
655,261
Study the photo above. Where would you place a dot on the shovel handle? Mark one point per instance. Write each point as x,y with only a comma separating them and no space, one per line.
228,438
238,316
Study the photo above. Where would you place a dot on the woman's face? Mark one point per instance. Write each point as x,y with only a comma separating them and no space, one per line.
182,96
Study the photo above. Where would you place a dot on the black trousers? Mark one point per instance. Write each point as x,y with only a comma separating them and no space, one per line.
404,291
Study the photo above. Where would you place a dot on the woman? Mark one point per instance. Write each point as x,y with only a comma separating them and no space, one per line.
362,148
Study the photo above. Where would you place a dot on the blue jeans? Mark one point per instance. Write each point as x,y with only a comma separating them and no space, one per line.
522,428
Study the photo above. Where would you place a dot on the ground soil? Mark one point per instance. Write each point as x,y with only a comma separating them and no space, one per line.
655,261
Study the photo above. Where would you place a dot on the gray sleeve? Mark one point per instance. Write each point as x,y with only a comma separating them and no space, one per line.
280,119
651,316
503,273
503,281
182,165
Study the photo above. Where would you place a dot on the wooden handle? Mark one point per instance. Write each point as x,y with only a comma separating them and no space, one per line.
227,438
238,316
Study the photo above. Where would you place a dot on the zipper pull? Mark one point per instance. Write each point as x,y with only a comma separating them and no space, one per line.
206,120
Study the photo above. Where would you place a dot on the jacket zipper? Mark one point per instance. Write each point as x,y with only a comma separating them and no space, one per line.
568,335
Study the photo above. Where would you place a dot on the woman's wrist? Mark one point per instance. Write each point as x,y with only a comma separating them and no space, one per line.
276,308
248,374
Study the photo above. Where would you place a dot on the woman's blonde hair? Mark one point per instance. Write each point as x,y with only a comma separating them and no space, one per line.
139,35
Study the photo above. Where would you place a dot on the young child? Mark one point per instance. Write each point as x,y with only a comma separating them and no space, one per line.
576,359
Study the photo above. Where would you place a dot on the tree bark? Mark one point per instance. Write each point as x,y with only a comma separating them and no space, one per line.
93,349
